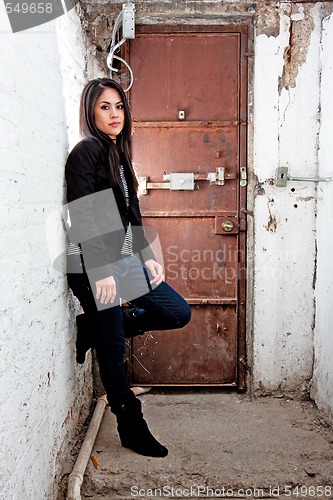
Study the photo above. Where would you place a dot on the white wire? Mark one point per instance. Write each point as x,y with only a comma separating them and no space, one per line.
114,70
113,48
116,28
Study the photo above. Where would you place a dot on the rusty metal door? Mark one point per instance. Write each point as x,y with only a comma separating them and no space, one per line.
189,147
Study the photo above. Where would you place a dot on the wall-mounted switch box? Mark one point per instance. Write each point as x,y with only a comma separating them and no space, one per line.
281,176
128,20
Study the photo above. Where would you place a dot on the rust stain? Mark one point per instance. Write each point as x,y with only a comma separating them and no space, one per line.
295,52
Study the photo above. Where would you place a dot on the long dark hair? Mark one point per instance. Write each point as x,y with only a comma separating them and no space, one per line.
89,96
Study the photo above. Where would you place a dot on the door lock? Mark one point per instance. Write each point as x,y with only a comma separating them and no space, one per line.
180,182
227,226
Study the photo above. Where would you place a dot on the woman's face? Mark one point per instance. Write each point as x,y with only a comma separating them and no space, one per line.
109,113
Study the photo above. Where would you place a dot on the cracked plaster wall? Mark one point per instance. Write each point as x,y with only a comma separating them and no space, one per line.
322,384
285,91
287,121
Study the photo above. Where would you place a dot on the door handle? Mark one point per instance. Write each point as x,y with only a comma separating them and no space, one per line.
184,181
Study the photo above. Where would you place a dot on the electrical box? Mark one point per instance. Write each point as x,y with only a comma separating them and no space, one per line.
281,176
128,20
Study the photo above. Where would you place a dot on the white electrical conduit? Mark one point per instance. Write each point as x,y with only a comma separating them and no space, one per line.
75,479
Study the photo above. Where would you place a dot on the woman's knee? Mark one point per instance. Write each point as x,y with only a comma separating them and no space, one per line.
184,315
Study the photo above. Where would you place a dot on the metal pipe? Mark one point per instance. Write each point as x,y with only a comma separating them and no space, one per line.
75,479
310,179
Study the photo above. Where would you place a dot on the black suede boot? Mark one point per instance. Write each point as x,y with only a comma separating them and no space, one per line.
84,335
134,433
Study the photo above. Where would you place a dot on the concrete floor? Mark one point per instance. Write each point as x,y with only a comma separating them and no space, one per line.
221,444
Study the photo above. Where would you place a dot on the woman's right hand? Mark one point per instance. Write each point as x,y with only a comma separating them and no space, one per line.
106,290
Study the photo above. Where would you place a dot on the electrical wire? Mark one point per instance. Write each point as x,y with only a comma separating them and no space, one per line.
116,46
129,70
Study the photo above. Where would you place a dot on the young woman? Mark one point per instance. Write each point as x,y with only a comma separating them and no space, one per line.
109,258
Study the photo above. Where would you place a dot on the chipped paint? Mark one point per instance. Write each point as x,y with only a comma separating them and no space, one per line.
267,20
301,24
272,217
258,187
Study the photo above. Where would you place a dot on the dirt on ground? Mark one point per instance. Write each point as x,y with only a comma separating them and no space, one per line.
221,445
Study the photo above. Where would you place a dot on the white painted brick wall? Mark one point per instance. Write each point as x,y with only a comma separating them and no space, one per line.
44,394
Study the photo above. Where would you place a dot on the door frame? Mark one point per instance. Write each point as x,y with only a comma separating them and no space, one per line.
245,134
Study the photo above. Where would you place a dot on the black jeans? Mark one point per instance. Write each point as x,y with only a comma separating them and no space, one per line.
164,309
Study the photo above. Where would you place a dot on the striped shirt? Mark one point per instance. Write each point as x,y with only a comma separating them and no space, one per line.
128,242
74,249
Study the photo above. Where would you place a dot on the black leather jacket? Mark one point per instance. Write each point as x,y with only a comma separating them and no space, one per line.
98,212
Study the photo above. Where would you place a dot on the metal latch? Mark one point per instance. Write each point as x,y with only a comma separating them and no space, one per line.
217,177
184,181
282,177
180,181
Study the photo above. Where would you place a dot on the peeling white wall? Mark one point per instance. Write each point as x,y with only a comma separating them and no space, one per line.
44,394
286,130
322,387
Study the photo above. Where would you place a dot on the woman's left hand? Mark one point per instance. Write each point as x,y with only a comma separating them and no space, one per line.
156,270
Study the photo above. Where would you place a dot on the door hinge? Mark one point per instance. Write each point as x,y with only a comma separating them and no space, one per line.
243,177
